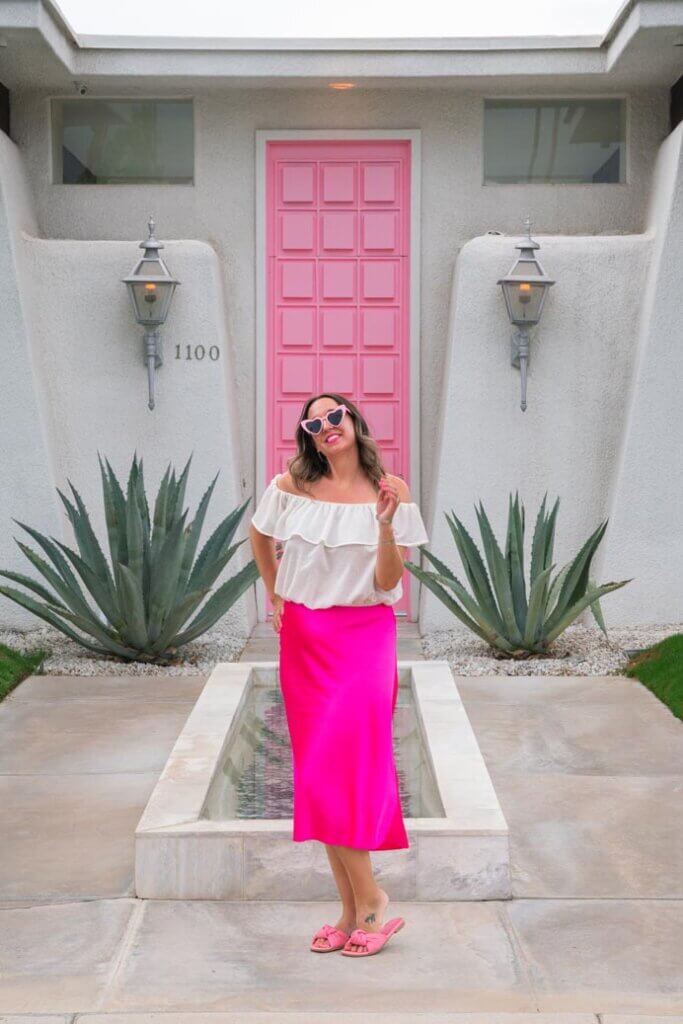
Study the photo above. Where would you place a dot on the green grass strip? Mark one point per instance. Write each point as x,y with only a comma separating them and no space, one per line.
15,666
660,668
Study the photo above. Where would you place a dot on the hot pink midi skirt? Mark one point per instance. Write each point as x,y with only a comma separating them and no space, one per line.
339,684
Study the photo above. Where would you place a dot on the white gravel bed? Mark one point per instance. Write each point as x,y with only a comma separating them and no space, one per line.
67,658
578,651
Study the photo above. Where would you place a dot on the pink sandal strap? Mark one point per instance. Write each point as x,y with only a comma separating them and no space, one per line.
370,940
327,931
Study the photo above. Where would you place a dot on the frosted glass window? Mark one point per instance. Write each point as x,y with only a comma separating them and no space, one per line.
118,142
566,141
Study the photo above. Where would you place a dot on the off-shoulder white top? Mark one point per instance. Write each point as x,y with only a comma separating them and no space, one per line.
330,549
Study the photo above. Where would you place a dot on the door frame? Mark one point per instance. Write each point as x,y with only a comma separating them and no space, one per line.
262,137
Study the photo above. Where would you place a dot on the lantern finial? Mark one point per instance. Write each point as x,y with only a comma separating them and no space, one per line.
151,242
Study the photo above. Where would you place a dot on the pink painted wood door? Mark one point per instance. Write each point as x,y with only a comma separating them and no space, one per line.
338,286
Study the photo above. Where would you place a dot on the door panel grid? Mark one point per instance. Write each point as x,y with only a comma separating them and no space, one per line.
337,286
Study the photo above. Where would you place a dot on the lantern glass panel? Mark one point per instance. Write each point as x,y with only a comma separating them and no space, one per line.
152,300
524,301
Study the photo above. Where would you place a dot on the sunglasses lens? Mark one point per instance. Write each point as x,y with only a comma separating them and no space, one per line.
314,426
334,418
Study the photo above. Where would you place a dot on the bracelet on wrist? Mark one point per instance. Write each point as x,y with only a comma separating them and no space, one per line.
386,540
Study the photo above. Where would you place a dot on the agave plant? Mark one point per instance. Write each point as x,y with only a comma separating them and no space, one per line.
137,607
498,609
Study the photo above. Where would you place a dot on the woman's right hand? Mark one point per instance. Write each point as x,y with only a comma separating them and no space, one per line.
278,611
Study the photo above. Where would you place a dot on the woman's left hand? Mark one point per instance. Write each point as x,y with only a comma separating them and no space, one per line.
387,501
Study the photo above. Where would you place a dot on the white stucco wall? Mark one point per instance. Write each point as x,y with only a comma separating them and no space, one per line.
603,428
579,377
646,527
25,465
90,386
220,207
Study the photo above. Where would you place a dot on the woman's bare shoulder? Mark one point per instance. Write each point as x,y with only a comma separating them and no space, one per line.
285,483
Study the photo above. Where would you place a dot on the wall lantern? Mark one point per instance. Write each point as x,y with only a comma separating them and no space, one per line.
524,290
151,288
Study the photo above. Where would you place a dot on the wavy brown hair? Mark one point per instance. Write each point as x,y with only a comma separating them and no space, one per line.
310,464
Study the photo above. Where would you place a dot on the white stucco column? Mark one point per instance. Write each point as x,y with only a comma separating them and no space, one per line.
580,373
646,523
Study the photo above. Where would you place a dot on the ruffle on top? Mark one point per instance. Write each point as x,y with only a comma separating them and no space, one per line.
332,523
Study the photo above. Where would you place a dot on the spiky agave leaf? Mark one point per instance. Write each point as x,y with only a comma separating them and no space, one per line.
479,613
165,572
588,598
71,595
498,611
575,582
489,632
499,576
515,561
203,572
37,588
115,512
218,603
596,609
154,584
475,569
538,543
533,627
50,616
87,542
192,539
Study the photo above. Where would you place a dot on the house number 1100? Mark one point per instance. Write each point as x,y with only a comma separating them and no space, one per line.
197,352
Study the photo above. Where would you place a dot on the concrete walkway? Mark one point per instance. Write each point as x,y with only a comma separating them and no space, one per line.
589,772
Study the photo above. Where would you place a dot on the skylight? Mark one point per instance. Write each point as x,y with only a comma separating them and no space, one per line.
353,19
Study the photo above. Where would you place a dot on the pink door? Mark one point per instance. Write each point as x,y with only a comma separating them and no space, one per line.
338,275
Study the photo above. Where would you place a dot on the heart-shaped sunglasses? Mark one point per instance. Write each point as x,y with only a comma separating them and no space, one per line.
333,417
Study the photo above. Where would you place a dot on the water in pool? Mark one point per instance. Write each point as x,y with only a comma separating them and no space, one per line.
254,778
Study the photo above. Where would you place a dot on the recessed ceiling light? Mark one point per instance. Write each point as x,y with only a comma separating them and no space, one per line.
342,85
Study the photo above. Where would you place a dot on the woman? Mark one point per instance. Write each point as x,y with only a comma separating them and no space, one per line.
348,527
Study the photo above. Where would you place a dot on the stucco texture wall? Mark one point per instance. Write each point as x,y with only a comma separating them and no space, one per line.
89,384
25,465
602,430
566,441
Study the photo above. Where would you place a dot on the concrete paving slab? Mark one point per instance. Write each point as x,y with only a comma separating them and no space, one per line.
602,956
60,959
638,1018
36,1018
70,836
596,739
254,956
60,688
588,836
241,1017
552,689
89,735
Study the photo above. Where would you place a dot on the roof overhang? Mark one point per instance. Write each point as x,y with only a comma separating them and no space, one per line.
642,47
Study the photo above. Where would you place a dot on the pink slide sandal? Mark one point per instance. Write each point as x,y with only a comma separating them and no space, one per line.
373,941
335,936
